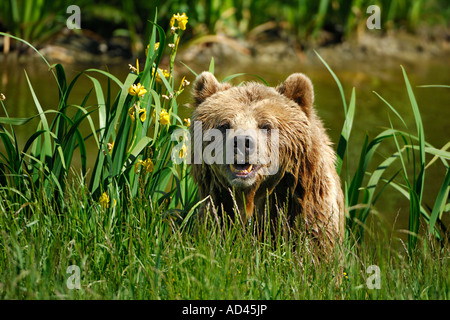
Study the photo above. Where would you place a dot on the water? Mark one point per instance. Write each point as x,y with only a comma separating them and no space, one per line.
372,115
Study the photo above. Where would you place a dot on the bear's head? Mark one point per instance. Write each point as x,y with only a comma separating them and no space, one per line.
258,134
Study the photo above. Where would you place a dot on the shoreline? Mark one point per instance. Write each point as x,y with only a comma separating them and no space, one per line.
391,46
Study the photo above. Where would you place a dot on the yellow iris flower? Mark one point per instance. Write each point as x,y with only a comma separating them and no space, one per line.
182,20
183,152
148,46
158,77
110,147
104,200
141,112
164,117
147,165
137,90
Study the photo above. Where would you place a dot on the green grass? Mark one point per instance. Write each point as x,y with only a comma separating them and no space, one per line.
145,241
145,254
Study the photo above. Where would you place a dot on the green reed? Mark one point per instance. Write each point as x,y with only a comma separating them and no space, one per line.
410,150
133,136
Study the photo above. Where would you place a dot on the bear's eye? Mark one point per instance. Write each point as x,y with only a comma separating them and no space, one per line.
266,126
224,126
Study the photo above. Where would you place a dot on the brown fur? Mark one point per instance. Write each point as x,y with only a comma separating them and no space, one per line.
306,177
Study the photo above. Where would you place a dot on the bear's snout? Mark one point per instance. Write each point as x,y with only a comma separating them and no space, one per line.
244,145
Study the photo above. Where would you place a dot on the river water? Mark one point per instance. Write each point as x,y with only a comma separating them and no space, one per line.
371,117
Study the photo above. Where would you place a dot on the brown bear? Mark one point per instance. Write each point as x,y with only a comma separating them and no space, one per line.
305,175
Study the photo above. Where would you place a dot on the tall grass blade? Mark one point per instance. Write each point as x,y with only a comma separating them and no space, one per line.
192,71
345,133
211,65
417,190
439,204
46,149
392,109
119,112
102,116
341,90
230,77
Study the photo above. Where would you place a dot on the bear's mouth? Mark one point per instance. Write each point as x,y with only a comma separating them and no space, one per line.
243,170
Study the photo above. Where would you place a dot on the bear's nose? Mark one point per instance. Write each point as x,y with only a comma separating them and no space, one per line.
244,145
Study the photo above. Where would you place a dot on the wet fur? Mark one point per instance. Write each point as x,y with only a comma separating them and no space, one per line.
307,178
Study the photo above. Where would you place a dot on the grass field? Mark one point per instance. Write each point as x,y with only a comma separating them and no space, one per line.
145,255
136,250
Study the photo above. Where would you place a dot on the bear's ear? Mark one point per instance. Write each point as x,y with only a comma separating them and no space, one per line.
205,85
299,88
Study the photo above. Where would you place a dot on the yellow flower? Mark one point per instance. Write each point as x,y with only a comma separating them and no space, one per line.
136,165
148,46
187,122
147,165
142,114
182,20
131,112
183,152
135,69
158,77
164,117
185,83
104,200
137,90
2,97
110,147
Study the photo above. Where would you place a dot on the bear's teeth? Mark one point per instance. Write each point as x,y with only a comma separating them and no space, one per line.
248,170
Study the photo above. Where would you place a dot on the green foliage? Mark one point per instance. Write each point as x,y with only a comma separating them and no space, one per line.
360,208
134,146
37,21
